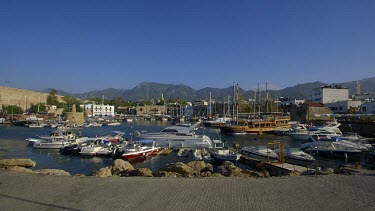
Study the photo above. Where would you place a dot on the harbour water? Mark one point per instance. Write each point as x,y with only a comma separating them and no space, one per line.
13,145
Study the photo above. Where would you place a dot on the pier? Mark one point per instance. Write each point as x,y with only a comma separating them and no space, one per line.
274,167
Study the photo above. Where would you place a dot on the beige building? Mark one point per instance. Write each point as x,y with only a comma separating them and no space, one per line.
150,110
310,112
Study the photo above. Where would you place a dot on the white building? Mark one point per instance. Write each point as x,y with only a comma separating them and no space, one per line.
286,102
343,106
103,110
368,107
330,94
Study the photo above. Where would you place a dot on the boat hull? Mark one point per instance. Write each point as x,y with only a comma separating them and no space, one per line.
139,154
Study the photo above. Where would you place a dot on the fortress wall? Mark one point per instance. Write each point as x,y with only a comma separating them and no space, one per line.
21,97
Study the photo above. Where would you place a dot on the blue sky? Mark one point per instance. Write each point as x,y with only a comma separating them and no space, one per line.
79,46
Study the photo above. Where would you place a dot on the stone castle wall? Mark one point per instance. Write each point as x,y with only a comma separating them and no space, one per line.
21,97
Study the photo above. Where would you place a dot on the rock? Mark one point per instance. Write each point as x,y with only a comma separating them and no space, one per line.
56,172
266,173
201,166
166,174
120,166
237,173
206,174
197,165
294,173
141,172
22,162
216,175
181,168
228,169
104,172
221,170
19,169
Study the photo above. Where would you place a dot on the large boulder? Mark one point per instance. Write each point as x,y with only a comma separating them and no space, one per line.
166,174
56,172
19,169
227,168
141,172
181,168
22,162
104,172
201,166
120,166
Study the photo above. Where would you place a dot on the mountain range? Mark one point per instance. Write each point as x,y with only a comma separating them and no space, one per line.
152,90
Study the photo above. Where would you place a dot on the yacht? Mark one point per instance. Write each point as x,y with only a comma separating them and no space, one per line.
178,136
297,156
333,149
316,140
259,152
331,129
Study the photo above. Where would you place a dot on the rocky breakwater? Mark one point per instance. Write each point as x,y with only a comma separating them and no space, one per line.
22,165
194,169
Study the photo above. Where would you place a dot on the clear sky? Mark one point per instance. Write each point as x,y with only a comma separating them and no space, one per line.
79,46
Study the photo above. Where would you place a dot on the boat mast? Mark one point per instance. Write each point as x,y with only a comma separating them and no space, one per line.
259,102
210,109
267,97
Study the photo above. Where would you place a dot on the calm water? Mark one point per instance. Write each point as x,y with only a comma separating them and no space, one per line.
13,145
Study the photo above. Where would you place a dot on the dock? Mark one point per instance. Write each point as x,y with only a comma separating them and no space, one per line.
271,165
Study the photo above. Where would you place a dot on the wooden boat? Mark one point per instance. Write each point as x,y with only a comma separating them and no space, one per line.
256,126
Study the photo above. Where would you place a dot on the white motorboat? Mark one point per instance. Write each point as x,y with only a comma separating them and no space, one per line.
31,141
178,136
333,149
54,143
61,133
331,129
316,140
296,156
259,152
221,153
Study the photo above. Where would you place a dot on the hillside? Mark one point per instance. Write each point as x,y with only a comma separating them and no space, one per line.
151,90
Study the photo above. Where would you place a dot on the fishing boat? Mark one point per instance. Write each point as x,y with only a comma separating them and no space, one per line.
140,149
220,153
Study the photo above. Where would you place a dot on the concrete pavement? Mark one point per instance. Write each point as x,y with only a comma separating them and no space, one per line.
20,191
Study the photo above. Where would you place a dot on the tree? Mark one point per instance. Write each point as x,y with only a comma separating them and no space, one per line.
52,98
69,101
40,107
12,109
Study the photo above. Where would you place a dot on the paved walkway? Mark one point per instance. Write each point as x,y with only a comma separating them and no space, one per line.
332,192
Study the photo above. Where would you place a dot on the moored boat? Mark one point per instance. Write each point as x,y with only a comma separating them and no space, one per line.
139,150
259,152
221,153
